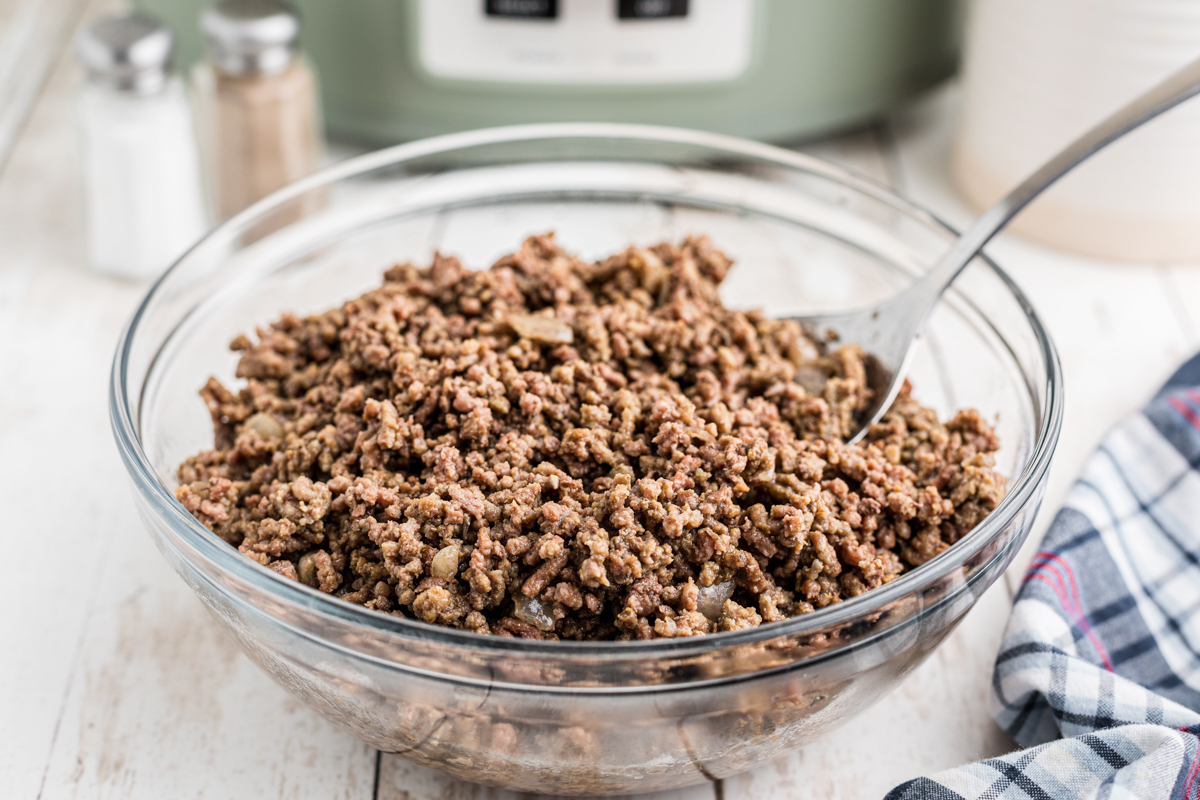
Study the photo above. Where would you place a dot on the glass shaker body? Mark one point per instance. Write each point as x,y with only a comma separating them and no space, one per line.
142,189
259,132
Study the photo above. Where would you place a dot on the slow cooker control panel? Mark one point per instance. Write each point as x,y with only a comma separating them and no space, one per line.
586,41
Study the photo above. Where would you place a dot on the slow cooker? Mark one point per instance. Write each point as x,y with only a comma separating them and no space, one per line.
394,70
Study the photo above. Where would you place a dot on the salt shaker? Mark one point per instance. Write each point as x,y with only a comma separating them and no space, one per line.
258,103
143,196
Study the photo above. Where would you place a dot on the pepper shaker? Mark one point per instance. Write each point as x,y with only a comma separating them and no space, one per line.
142,190
257,99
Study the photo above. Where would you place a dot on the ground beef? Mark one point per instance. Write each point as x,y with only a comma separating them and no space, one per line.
553,448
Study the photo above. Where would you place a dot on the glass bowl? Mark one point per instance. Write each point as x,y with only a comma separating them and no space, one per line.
574,717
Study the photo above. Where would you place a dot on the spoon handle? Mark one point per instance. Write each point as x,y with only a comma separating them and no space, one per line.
1171,92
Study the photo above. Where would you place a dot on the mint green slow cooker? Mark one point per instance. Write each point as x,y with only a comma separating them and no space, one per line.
393,70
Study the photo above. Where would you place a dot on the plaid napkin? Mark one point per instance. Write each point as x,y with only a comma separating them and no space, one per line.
1103,645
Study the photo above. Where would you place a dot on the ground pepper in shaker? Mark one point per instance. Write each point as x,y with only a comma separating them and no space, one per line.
258,103
142,190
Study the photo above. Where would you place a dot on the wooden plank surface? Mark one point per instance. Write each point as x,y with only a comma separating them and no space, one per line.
50,557
115,683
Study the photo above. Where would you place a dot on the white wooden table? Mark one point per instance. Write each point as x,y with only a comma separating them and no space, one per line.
114,682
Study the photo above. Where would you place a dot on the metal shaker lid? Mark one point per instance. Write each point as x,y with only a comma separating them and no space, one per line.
250,37
130,53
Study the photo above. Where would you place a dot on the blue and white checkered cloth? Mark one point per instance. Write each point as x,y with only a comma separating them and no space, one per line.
1099,672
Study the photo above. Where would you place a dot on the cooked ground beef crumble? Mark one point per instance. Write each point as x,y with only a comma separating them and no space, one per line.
559,449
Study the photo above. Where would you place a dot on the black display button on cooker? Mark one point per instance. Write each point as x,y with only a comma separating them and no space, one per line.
522,9
651,9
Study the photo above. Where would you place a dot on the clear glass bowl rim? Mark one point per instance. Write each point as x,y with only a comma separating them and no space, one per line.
162,499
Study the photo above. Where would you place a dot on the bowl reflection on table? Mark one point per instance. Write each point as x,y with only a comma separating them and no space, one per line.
576,717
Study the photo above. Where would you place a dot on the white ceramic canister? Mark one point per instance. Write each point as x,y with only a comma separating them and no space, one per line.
1040,72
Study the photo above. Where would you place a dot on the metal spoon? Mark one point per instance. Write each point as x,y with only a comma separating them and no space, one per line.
888,331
